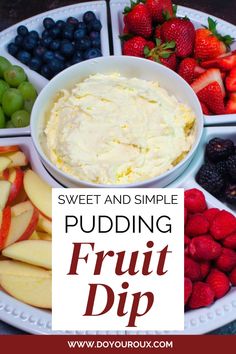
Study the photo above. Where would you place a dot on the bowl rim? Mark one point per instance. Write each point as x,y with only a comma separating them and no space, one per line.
138,184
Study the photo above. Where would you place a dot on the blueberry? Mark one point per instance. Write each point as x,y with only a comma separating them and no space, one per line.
73,21
83,43
67,34
77,58
12,48
89,16
35,63
19,40
55,32
48,22
94,25
22,30
29,43
46,72
48,56
81,25
80,33
67,49
67,64
23,56
34,34
96,43
94,35
59,56
45,33
69,27
60,24
39,51
92,53
46,42
55,45
56,66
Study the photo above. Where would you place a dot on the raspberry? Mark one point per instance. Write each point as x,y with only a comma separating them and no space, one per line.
230,241
197,225
185,215
187,289
210,179
218,282
186,240
205,267
191,269
219,149
204,247
223,224
232,277
202,295
194,200
227,260
211,213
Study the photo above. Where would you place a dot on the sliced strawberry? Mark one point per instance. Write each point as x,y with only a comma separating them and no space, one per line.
224,62
230,107
230,81
207,78
198,71
212,96
205,109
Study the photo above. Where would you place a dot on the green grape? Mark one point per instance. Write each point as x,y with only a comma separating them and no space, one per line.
28,91
3,87
2,119
14,76
20,119
9,124
12,101
28,105
4,65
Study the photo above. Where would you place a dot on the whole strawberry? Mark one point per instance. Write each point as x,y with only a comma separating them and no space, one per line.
134,47
138,19
209,44
160,10
180,30
162,53
187,68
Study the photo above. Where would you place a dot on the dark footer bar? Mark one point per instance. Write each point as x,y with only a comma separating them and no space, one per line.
203,344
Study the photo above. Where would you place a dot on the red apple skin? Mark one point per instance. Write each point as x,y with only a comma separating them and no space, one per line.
5,226
16,185
11,148
6,174
31,227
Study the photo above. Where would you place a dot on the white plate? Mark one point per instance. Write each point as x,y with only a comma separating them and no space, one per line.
35,23
199,321
198,18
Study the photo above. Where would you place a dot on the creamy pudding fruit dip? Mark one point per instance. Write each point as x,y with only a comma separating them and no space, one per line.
110,129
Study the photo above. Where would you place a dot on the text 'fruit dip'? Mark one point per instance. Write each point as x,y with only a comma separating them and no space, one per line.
110,129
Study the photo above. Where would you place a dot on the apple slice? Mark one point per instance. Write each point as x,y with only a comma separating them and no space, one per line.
20,208
39,192
36,252
4,163
34,236
44,236
16,178
6,149
17,158
5,188
22,226
27,283
44,224
5,174
5,223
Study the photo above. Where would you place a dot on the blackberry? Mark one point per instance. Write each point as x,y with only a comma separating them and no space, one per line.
221,168
219,149
231,166
230,193
210,179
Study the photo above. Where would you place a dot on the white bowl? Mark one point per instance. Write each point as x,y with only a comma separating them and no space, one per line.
128,67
